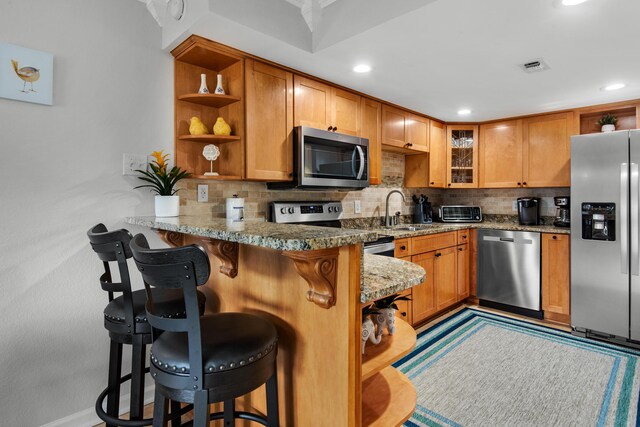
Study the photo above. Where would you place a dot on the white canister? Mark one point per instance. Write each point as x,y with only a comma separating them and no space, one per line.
235,208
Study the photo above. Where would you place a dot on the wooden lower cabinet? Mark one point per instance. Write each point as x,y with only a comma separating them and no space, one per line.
556,288
463,268
446,285
405,308
424,298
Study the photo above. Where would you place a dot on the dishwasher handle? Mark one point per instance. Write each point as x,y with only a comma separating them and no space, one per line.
507,240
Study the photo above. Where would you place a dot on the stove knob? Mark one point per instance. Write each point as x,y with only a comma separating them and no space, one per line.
283,211
291,210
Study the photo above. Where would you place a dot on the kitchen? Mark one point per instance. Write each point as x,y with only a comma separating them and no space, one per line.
152,124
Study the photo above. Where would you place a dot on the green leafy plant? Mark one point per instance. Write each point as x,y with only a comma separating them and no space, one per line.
159,180
608,119
390,301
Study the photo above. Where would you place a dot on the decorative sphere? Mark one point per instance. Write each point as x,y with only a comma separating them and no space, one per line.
211,152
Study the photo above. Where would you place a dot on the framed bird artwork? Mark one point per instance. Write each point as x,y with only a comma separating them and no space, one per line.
26,74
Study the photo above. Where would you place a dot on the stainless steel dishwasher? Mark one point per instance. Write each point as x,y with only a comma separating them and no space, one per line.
509,271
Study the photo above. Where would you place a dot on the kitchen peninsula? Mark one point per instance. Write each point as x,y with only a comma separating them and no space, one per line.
311,283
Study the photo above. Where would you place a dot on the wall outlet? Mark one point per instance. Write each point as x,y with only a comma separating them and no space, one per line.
203,193
514,206
357,207
132,162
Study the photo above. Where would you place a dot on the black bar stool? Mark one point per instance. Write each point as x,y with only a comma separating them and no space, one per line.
208,359
126,320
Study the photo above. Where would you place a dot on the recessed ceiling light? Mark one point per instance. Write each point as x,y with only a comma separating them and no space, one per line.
362,68
614,86
572,2
464,112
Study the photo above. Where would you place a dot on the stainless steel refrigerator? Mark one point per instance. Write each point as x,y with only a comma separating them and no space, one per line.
605,236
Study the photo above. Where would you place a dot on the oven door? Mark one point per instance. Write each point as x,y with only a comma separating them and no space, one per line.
329,159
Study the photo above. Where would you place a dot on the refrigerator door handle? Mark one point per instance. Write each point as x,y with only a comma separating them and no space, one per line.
624,209
635,237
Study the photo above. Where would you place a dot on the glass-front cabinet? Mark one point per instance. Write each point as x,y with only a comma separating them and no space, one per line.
462,156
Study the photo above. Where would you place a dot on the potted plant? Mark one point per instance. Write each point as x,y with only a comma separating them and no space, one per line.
387,313
368,328
167,204
608,122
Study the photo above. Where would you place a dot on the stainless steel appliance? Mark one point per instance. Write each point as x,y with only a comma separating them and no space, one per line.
422,210
323,214
323,159
448,213
508,275
605,236
563,218
528,210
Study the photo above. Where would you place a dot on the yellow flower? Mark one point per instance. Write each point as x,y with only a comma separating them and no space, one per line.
161,159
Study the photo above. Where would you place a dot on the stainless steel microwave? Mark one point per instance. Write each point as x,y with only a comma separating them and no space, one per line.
324,159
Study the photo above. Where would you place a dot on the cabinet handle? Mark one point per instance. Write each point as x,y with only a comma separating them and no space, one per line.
524,183
438,254
555,237
464,237
519,184
404,314
431,183
330,128
460,249
449,184
335,128
404,248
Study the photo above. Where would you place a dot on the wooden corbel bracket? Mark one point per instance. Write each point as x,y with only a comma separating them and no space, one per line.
320,269
226,252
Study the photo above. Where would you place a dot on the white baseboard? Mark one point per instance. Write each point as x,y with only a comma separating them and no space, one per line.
88,417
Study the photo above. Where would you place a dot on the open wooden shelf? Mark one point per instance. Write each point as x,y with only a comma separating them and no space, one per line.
390,349
388,399
626,119
218,177
209,99
211,139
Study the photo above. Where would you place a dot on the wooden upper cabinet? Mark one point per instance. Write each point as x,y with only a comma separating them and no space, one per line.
269,101
556,289
462,156
371,129
403,131
437,155
325,107
500,152
547,150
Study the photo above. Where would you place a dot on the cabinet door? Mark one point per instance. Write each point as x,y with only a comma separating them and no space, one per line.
417,132
462,156
404,309
345,112
500,152
437,155
555,275
371,129
424,298
445,277
463,271
269,122
393,127
547,150
312,103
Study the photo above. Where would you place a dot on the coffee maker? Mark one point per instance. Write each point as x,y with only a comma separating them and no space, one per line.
562,211
529,210
422,210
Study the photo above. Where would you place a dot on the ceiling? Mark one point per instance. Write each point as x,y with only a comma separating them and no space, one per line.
438,56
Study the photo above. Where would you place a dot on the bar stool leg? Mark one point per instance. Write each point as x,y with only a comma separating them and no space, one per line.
138,353
115,371
175,408
201,410
159,410
229,412
273,415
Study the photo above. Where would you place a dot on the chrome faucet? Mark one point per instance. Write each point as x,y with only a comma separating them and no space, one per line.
387,218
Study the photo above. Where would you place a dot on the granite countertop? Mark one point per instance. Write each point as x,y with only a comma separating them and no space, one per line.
285,237
385,275
437,227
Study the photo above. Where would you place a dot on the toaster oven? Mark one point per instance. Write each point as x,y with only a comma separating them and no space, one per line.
450,213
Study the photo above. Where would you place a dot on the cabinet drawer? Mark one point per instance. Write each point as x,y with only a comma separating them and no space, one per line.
432,242
463,236
403,248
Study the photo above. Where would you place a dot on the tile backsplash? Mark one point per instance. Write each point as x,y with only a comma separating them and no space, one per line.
372,199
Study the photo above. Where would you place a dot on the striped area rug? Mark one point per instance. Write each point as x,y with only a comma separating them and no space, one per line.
482,369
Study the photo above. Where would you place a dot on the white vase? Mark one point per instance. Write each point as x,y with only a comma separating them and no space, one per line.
167,206
608,128
219,88
203,84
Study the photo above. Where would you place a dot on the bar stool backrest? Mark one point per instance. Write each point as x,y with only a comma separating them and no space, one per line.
185,268
114,246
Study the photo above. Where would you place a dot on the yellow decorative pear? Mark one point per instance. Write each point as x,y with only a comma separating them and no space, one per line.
197,127
221,127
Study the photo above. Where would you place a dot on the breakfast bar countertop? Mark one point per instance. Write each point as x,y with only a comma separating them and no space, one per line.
284,237
385,275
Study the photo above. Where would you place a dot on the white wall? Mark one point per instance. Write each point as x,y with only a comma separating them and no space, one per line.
60,169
